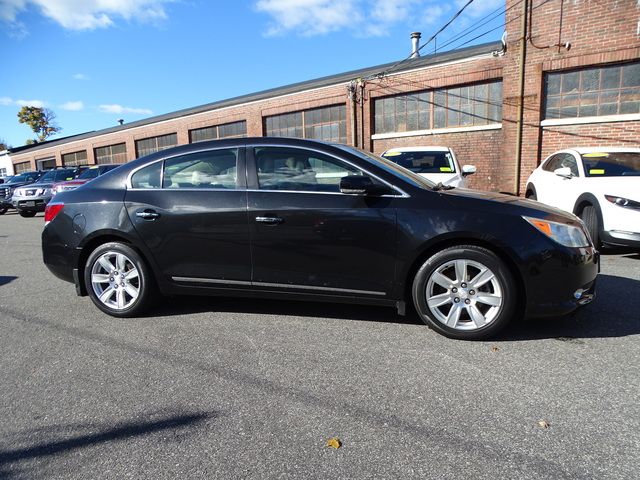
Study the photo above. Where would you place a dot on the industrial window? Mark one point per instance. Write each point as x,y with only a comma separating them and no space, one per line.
21,167
111,154
589,92
74,159
470,105
325,123
403,113
147,146
479,104
227,130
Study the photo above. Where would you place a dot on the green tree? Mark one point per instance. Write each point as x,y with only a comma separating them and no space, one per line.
3,144
40,120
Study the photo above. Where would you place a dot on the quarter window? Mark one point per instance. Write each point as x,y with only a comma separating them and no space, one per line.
610,90
211,170
147,177
291,169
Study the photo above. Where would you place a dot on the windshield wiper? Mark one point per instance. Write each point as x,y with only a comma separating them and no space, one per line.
439,186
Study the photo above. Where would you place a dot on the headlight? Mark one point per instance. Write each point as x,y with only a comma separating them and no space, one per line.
622,202
564,234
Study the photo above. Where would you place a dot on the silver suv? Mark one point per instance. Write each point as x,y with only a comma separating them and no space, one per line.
33,198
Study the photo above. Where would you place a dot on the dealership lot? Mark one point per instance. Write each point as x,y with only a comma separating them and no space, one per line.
228,388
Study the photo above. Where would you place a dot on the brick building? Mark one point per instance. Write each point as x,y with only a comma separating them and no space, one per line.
579,86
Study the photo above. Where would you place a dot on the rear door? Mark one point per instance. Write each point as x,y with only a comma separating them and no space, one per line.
191,211
309,237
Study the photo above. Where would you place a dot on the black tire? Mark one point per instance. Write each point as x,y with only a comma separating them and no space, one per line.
144,283
3,210
27,213
500,288
531,195
590,218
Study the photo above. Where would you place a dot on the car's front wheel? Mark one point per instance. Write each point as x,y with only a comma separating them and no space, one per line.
590,218
27,213
3,210
118,280
465,292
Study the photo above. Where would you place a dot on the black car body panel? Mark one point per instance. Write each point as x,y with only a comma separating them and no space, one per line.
315,244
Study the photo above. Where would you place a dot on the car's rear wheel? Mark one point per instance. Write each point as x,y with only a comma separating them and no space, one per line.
27,213
3,210
118,280
531,195
465,292
590,218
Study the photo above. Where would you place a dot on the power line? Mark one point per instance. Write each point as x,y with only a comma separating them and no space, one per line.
391,68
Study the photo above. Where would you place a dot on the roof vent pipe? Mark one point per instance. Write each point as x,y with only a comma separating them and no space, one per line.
415,44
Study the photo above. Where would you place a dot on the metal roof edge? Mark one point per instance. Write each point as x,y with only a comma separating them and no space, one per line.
410,64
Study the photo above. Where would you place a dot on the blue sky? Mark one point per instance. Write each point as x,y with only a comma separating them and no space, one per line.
95,61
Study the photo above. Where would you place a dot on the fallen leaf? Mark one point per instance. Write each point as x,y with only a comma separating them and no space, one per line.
334,443
494,349
543,424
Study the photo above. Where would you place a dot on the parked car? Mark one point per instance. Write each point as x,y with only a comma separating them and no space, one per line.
6,179
600,185
6,189
261,217
438,164
31,199
86,176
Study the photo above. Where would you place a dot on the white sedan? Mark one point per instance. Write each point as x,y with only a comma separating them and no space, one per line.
438,164
600,185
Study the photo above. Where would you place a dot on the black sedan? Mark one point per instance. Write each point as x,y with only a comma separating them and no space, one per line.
274,217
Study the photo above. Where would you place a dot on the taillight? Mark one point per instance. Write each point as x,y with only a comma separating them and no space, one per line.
52,210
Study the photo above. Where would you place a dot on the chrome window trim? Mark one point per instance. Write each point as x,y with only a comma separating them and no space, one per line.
276,285
402,192
200,150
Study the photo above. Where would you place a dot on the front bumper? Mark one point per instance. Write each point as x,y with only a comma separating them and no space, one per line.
31,203
560,281
620,238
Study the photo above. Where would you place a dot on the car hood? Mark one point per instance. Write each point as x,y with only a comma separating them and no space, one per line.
38,185
626,187
445,178
504,203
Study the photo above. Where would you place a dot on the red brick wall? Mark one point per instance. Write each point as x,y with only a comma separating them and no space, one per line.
599,31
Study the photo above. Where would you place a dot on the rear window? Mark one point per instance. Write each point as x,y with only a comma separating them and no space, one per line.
91,172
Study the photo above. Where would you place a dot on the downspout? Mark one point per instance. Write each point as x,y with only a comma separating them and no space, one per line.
520,117
354,112
361,84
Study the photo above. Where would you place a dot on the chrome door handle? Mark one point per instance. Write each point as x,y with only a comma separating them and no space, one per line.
148,215
270,220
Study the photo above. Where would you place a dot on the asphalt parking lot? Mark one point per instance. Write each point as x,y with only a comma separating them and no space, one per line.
232,388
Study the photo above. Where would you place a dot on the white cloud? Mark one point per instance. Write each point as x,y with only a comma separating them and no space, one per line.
309,17
118,109
31,103
86,14
74,106
6,101
80,76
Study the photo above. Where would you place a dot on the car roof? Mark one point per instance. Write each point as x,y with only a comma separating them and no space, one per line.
583,150
429,148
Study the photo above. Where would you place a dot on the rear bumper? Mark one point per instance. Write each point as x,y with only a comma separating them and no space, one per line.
562,282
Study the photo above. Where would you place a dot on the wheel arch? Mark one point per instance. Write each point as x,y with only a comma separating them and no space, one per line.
531,188
100,238
432,248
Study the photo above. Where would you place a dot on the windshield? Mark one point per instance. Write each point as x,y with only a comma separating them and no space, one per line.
90,173
24,177
390,167
611,164
423,161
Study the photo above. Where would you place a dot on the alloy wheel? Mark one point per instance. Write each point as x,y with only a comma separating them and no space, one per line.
115,280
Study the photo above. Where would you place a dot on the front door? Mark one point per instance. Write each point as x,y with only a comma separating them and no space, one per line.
307,236
191,212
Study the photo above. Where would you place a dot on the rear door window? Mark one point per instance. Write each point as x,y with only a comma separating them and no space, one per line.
214,169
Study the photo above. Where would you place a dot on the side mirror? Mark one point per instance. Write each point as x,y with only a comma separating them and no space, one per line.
361,185
563,172
468,170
